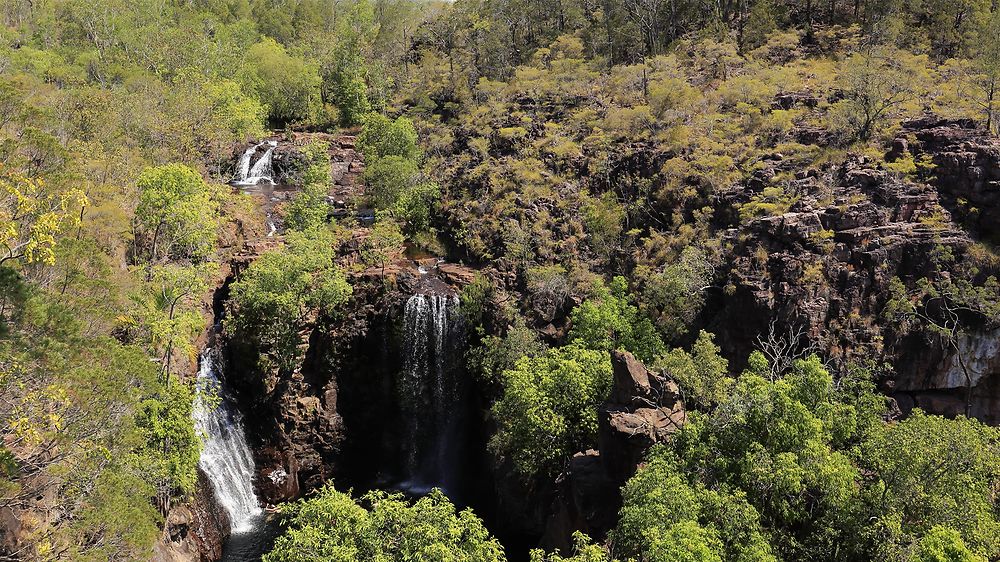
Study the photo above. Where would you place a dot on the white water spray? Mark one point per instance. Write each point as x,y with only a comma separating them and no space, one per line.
225,457
261,171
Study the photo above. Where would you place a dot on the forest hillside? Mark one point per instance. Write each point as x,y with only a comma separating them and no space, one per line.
491,280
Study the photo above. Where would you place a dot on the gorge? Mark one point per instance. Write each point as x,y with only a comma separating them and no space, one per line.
499,281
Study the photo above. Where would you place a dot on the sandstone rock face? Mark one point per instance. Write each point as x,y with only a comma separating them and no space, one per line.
346,163
644,408
292,418
966,163
194,532
588,500
820,271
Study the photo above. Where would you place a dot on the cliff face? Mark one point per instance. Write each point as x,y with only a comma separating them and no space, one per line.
814,277
966,169
196,531
818,276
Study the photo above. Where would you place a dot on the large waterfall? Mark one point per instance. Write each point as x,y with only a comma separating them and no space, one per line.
430,392
261,171
225,457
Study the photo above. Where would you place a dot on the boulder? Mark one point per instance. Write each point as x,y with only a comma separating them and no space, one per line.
195,531
644,409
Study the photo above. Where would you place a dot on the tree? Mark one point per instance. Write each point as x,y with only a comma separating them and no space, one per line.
309,208
31,218
288,85
549,408
381,137
583,551
170,312
674,294
177,216
383,243
942,544
387,179
332,526
701,374
666,517
271,300
986,77
170,445
608,321
928,472
876,85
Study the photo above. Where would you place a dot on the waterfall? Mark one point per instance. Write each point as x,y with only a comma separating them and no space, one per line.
430,391
261,169
244,165
225,457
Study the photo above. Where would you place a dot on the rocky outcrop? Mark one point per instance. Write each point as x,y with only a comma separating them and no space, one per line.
195,531
645,408
346,163
965,168
819,273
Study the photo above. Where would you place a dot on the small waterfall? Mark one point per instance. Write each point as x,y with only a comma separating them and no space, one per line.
225,457
261,171
430,392
244,165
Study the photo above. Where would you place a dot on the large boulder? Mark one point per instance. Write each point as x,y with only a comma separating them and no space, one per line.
644,409
195,531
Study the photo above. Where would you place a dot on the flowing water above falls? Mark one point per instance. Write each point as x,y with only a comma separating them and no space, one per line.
225,458
430,392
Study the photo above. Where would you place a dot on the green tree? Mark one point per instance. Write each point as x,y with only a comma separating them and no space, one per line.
608,321
288,85
381,137
986,77
928,471
702,374
941,544
583,551
946,307
549,408
176,217
383,244
170,446
876,84
309,208
332,526
665,515
271,300
387,179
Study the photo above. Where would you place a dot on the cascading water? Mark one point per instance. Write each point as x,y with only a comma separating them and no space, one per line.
261,171
431,392
244,165
225,458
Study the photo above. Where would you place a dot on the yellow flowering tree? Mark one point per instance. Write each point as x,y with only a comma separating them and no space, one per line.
31,218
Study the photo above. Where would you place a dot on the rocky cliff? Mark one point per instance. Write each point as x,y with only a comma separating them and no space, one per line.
818,275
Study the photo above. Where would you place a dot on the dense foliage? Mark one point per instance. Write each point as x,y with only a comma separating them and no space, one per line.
382,527
598,161
271,300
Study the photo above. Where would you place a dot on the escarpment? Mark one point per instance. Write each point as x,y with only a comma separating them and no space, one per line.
816,276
